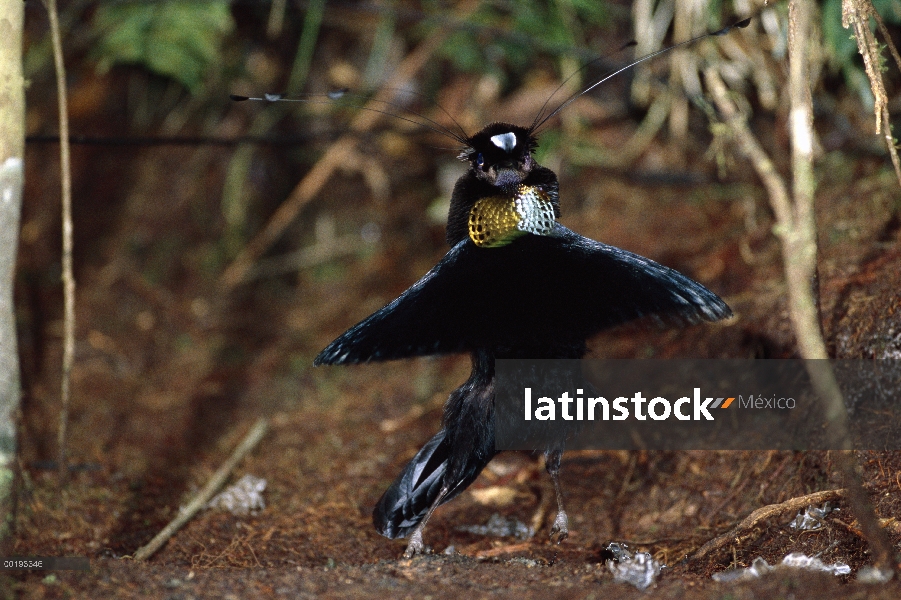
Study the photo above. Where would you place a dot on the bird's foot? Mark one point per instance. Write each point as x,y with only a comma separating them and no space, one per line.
415,545
560,528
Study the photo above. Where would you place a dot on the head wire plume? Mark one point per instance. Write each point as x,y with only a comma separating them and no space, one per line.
333,96
461,136
540,120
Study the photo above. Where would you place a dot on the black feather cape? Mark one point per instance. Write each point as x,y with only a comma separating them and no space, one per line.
525,299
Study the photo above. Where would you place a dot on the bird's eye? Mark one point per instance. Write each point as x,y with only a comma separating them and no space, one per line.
480,160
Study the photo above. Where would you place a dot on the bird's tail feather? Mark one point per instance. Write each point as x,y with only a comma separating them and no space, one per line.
403,505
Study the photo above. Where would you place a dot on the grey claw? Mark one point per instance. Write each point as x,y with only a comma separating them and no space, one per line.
415,546
560,529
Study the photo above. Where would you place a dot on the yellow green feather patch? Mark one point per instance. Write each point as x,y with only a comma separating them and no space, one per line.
498,220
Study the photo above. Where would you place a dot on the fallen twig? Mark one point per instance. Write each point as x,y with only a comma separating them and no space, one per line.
521,547
848,528
218,479
742,532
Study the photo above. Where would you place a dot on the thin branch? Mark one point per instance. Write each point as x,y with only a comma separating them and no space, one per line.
796,227
276,18
888,38
203,497
751,148
501,550
799,237
743,532
856,14
800,255
67,275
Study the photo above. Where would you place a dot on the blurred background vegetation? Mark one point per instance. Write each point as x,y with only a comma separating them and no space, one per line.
173,64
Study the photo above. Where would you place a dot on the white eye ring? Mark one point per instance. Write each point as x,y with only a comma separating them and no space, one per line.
504,141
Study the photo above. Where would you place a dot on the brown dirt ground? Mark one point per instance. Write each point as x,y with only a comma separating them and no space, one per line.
170,374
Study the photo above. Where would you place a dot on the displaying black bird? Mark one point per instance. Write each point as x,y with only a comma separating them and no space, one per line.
515,284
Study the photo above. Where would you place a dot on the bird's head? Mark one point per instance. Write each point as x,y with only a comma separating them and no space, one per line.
501,155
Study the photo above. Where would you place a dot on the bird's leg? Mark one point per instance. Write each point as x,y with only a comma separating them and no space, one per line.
560,528
415,545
